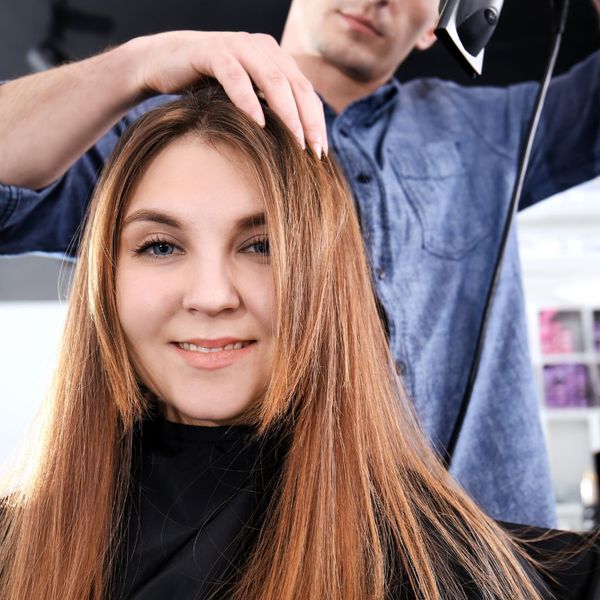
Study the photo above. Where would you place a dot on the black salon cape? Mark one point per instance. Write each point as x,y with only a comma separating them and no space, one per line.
196,503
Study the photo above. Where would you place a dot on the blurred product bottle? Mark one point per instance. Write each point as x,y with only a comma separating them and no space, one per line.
588,489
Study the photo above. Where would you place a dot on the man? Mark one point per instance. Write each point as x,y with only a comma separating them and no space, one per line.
431,164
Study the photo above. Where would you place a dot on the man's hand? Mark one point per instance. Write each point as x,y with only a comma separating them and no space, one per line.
169,62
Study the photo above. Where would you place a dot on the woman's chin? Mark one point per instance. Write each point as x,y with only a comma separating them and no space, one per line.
194,415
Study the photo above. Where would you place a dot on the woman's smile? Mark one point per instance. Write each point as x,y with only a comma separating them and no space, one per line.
215,345
216,357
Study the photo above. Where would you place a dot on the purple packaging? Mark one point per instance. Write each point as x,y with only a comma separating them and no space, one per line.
555,336
597,331
566,386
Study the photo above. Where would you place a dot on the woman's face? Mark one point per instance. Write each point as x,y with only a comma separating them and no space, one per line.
195,291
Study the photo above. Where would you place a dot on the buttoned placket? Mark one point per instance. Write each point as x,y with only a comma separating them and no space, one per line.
367,187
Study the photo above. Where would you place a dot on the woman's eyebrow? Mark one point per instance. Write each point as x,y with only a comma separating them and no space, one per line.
154,216
251,221
248,222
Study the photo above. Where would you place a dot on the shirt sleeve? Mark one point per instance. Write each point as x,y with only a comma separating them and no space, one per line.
49,220
566,149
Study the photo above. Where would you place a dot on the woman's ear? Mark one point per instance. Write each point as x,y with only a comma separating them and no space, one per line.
426,40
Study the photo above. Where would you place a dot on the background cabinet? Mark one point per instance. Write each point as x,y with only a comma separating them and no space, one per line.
560,252
565,345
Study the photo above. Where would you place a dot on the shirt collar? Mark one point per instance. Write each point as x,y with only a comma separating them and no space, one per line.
368,107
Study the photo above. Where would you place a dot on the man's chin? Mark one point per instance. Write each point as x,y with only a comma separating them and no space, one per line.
362,71
356,63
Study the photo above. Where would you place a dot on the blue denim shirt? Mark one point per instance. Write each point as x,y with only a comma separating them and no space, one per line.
432,166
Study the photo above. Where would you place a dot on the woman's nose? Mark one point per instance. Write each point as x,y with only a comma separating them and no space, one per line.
209,287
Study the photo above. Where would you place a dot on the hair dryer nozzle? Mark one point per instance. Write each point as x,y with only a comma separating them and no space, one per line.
465,27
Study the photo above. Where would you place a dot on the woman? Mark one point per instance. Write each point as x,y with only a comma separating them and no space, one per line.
225,420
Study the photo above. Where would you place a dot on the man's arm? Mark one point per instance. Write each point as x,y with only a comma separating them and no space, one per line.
49,119
49,219
566,150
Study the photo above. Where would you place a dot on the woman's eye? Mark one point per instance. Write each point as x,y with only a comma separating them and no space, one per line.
156,248
260,247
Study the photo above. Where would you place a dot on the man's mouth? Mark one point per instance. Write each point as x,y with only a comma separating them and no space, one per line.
360,23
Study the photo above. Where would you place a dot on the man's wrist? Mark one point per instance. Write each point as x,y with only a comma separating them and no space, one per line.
120,66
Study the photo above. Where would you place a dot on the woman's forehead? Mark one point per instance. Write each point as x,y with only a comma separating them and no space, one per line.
194,181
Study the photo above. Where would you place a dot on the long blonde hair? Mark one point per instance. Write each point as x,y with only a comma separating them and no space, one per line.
362,503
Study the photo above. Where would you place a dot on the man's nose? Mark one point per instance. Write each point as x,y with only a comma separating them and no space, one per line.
209,287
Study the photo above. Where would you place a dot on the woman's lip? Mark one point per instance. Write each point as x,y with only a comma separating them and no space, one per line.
359,24
211,361
214,343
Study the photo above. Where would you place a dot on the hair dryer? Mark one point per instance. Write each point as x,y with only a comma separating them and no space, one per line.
465,27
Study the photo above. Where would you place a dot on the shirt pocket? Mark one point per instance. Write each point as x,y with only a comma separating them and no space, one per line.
453,213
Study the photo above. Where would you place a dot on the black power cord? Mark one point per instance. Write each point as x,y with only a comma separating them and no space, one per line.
561,10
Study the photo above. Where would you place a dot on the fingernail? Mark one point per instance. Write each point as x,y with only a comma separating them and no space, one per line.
300,138
260,119
318,149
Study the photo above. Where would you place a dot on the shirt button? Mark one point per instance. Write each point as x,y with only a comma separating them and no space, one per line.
380,274
363,178
400,367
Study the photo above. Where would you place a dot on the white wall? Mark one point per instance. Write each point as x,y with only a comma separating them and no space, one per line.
560,247
30,333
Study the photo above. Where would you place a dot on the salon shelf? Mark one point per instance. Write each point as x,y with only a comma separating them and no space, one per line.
574,331
572,432
573,357
571,414
569,509
569,515
560,259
